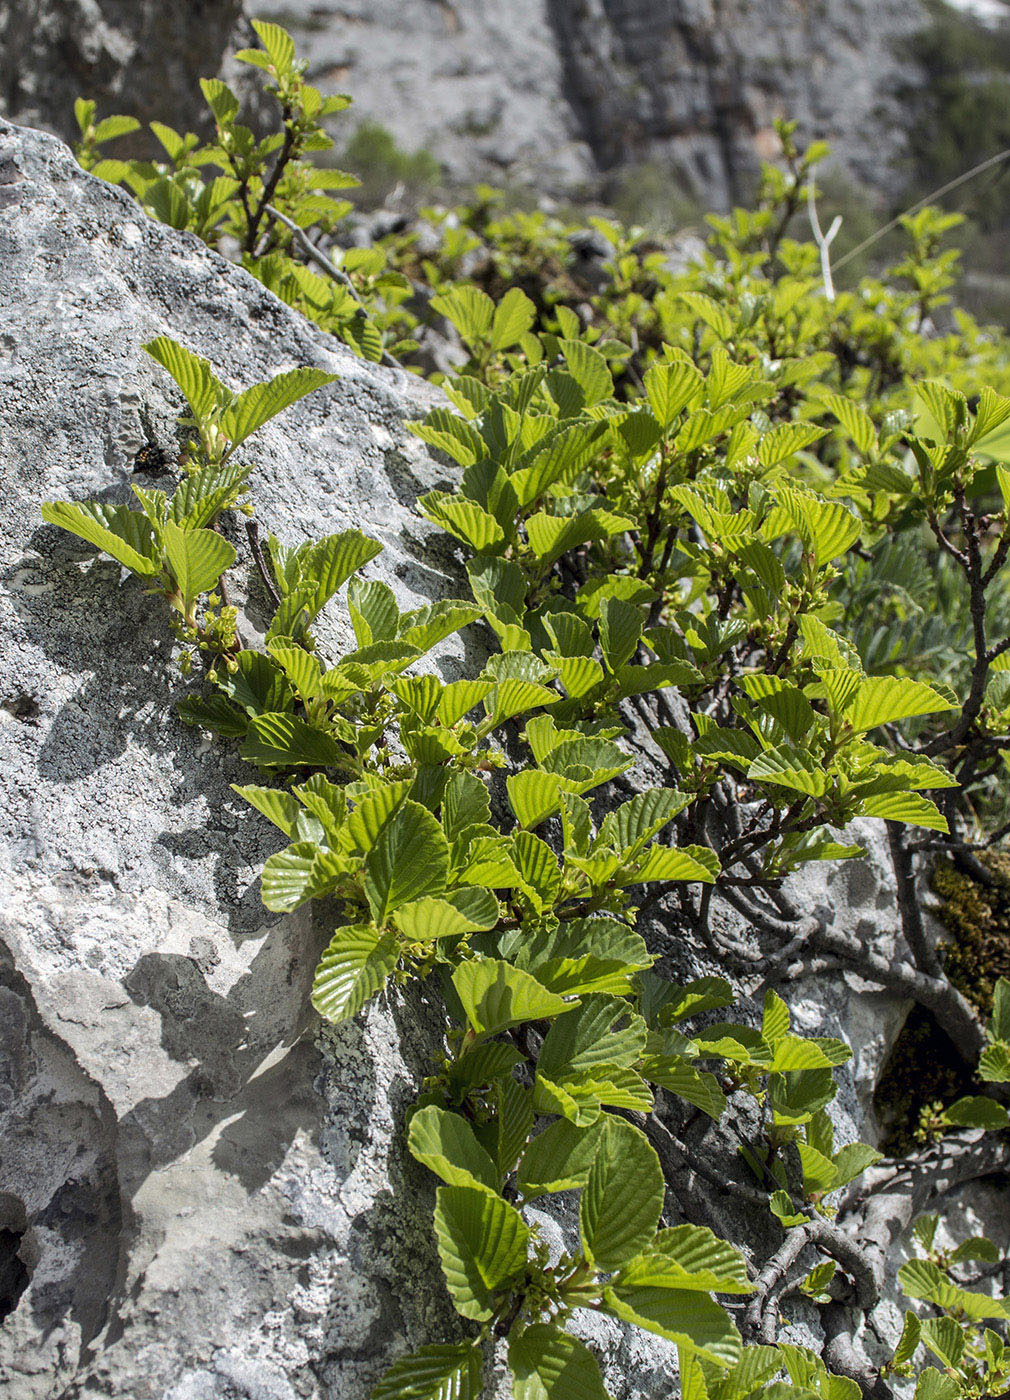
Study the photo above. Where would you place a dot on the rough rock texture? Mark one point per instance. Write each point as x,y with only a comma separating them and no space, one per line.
203,1195
142,57
196,1198
556,92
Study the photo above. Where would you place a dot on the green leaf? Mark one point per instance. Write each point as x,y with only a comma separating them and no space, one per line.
688,1256
496,995
452,435
470,310
601,1031
558,1159
697,1087
549,1364
994,1063
533,795
933,1384
277,806
313,573
126,535
908,1342
827,528
109,128
851,1160
999,1024
884,699
482,1243
676,863
639,819
589,370
620,630
353,968
258,404
196,558
288,877
513,317
790,768
464,519
410,858
670,387
909,807
461,911
278,44
445,1143
284,741
538,868
204,392
550,536
977,1111
690,1319
623,1196
856,422
204,494
701,994
993,410
459,698
434,1373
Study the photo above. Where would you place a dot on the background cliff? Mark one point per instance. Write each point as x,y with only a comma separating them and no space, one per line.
561,92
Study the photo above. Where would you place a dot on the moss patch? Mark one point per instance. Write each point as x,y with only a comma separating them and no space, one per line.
924,1072
977,918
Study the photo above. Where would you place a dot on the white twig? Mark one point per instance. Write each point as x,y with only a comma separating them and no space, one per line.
823,240
321,260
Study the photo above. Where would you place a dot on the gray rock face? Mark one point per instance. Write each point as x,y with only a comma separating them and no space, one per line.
203,1194
558,92
198,1197
140,57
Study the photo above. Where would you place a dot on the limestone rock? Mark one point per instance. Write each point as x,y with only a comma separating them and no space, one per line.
198,1196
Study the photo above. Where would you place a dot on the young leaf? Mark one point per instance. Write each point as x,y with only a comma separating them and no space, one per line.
470,310
513,317
258,404
482,1243
353,968
495,996
433,1373
203,390
197,559
445,1144
549,1364
623,1197
124,534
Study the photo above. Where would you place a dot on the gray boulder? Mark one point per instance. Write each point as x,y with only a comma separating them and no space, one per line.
199,1195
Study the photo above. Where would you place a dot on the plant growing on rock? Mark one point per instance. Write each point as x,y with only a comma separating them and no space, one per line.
679,525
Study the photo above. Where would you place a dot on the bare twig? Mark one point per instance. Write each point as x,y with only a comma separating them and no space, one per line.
327,265
823,240
253,533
